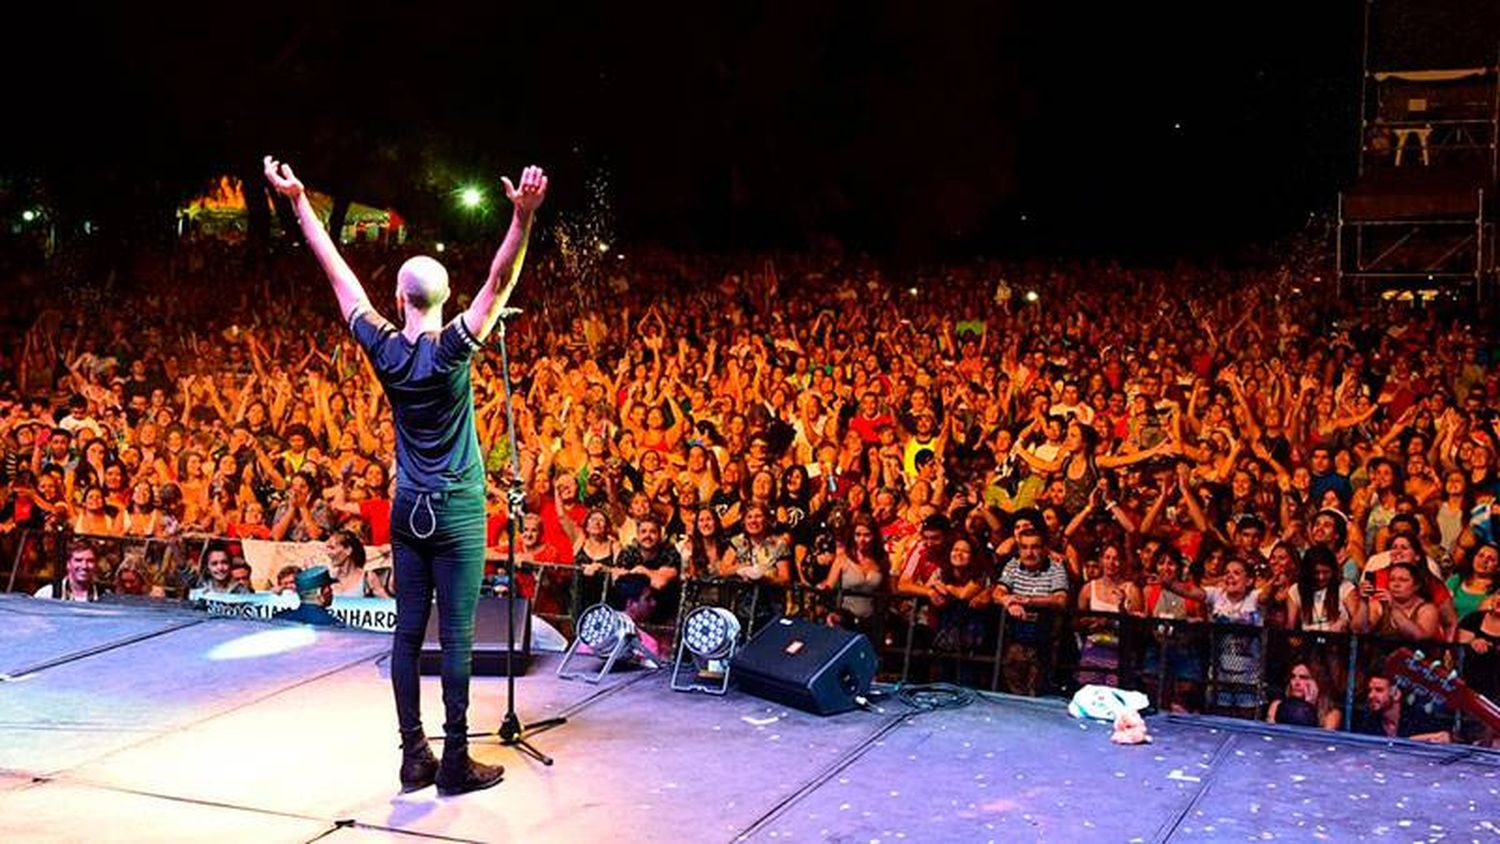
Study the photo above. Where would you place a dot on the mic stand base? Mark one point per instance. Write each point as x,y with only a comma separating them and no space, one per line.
513,734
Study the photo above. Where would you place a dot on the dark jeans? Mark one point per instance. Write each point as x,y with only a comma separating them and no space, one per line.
437,545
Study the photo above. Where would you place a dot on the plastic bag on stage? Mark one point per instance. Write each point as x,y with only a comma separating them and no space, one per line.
1105,703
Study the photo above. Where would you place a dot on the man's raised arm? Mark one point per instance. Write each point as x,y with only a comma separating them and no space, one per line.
505,270
346,286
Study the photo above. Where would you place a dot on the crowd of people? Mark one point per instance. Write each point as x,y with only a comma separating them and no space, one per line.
992,439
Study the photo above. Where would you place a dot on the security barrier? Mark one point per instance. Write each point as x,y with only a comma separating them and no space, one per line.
1183,666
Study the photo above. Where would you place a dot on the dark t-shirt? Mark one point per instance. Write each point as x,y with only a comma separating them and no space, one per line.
1482,671
666,557
432,401
1414,720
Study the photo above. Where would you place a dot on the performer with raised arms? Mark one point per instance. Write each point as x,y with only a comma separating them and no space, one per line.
437,516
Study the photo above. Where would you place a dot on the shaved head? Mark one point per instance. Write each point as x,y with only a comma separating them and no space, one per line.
422,283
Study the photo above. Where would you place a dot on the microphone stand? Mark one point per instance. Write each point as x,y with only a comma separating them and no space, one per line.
512,732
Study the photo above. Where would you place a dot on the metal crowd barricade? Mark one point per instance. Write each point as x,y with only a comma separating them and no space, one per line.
1032,651
1236,669
1174,661
1108,649
563,592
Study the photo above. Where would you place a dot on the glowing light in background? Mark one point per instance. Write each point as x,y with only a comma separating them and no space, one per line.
266,643
28,215
471,197
439,247
1031,296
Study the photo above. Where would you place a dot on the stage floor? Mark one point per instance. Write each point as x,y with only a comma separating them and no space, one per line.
138,725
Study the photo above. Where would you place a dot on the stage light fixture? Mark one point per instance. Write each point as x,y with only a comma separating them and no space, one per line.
601,627
608,634
471,197
707,641
28,215
710,632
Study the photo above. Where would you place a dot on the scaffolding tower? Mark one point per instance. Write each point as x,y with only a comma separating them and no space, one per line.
1420,217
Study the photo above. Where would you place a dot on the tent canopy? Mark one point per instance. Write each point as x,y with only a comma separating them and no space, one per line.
226,199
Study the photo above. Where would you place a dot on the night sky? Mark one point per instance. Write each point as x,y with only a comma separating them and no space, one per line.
906,127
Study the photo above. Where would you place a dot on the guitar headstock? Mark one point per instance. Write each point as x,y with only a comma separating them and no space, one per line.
1414,673
1440,684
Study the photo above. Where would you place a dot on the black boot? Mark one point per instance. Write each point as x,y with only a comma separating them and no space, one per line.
418,766
460,774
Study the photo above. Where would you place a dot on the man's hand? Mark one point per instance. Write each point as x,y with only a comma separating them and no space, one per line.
526,198
285,182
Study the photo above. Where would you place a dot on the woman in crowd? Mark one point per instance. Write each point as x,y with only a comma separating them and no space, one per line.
859,571
1307,701
346,562
96,517
1451,514
142,518
1321,600
957,592
1476,580
758,554
1237,663
1402,609
704,549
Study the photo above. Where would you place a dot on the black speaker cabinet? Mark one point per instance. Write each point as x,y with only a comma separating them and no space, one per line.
813,667
490,639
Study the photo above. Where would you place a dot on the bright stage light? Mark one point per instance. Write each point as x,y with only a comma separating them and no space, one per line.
267,643
28,215
471,197
601,627
608,634
709,635
602,247
1031,296
439,247
710,632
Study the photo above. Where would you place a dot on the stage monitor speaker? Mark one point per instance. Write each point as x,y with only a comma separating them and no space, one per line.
814,667
490,639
